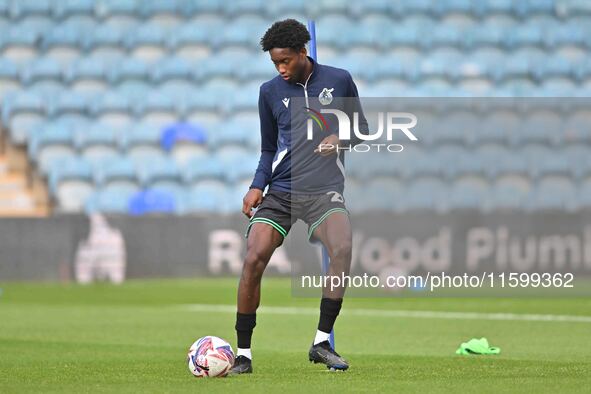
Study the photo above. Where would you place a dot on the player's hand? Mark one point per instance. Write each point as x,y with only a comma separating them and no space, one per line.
252,199
328,146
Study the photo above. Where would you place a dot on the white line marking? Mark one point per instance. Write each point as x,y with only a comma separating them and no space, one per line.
275,310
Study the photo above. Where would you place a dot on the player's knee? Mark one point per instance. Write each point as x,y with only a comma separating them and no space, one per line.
255,261
341,250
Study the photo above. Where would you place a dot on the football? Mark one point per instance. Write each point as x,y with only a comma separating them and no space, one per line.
210,357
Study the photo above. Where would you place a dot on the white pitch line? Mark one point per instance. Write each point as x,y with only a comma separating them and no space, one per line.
274,310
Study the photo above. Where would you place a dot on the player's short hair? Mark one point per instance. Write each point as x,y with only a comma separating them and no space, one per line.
287,33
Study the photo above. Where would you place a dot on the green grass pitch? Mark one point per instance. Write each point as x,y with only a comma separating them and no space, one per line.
134,338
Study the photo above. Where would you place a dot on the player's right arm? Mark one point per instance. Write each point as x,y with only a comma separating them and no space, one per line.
262,176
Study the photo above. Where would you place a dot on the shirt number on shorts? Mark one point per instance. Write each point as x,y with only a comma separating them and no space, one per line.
336,197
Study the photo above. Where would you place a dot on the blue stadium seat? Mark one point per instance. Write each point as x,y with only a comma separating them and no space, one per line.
63,169
97,143
130,69
22,8
21,36
182,132
576,129
425,194
119,170
509,195
369,7
146,35
554,66
149,8
111,102
203,167
104,36
111,200
158,170
421,7
490,7
382,194
68,8
50,144
156,103
106,8
207,196
498,127
464,7
498,161
404,36
523,36
62,36
565,35
483,36
68,103
238,164
540,127
172,69
42,69
470,194
555,193
241,31
421,164
543,161
584,196
442,35
22,113
86,68
142,138
188,35
152,202
9,81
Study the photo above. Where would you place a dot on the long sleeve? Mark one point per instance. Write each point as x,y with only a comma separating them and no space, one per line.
269,132
354,105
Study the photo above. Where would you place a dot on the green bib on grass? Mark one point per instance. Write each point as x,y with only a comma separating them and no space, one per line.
477,346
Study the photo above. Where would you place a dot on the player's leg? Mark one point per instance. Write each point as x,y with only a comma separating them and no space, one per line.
333,229
263,239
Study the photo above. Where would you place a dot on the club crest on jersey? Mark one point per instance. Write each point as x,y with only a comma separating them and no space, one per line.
325,97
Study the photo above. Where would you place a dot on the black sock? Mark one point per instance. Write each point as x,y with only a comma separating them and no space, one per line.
329,310
245,323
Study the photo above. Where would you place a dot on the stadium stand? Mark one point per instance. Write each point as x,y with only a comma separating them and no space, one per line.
114,101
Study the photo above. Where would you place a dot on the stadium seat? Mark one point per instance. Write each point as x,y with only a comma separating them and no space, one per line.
63,43
237,163
42,69
117,171
509,194
207,196
151,8
68,8
473,194
203,167
425,194
554,193
70,181
584,196
240,32
106,8
578,127
97,143
151,171
147,43
19,44
105,37
112,108
178,133
112,200
22,113
50,144
540,126
9,81
382,194
152,202
526,35
87,76
23,8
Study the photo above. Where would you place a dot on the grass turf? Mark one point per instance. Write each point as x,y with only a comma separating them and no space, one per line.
134,338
